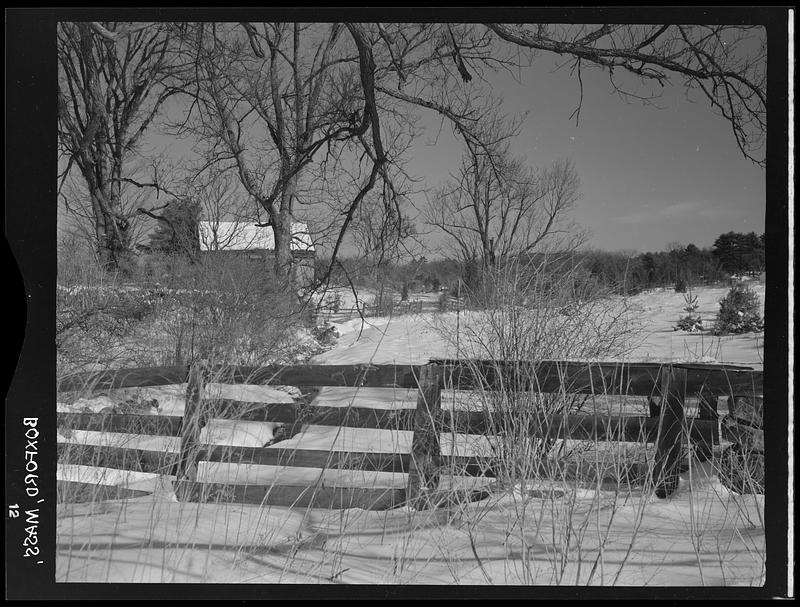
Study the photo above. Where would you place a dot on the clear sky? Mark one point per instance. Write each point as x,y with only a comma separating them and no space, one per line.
649,175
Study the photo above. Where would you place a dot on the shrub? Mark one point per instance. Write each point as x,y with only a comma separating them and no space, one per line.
228,309
680,285
520,314
326,336
94,310
739,311
221,308
690,322
544,310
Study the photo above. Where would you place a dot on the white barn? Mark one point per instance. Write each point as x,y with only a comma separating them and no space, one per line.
241,236
253,242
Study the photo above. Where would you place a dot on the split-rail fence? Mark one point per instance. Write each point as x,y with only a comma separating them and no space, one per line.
667,386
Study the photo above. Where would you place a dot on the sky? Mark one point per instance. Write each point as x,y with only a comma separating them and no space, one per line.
650,176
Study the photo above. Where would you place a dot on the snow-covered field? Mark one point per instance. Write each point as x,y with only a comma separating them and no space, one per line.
416,338
553,532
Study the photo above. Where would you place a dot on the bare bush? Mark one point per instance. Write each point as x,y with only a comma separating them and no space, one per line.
222,309
532,312
547,311
542,309
177,312
94,309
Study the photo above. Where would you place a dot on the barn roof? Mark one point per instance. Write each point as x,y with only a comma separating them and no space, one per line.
240,236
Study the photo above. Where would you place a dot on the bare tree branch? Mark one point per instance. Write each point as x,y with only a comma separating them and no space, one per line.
715,59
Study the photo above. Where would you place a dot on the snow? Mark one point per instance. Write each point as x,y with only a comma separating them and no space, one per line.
247,392
358,325
644,541
374,398
544,533
238,433
129,479
86,405
405,339
121,439
414,339
172,399
345,297
282,475
663,308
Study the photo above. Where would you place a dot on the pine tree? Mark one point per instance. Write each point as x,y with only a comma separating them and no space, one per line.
177,230
738,253
739,312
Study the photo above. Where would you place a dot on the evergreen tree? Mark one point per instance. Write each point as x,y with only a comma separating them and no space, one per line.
739,312
738,253
753,246
649,266
177,231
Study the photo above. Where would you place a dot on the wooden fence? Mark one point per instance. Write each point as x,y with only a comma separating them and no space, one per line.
337,314
666,386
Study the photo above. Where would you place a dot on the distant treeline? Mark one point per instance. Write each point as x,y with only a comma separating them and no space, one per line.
732,254
624,273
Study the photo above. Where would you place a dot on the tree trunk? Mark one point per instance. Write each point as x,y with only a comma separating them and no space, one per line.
282,228
111,232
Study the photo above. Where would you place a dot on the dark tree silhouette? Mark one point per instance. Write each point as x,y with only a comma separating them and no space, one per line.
177,231
739,253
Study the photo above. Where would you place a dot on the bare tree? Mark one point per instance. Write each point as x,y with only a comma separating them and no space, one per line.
77,213
111,85
379,235
278,101
266,98
224,208
497,207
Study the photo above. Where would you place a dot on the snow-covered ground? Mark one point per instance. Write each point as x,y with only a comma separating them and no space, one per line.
554,532
413,339
345,298
703,535
663,308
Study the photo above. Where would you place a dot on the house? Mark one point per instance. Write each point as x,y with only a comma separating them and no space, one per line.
256,242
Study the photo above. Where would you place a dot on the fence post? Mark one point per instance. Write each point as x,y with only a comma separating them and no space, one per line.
422,474
669,442
742,464
193,422
708,403
654,406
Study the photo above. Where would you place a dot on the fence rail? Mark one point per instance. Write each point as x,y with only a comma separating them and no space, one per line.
329,313
543,376
666,386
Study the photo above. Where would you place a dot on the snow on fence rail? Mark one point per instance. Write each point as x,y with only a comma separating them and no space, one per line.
666,386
